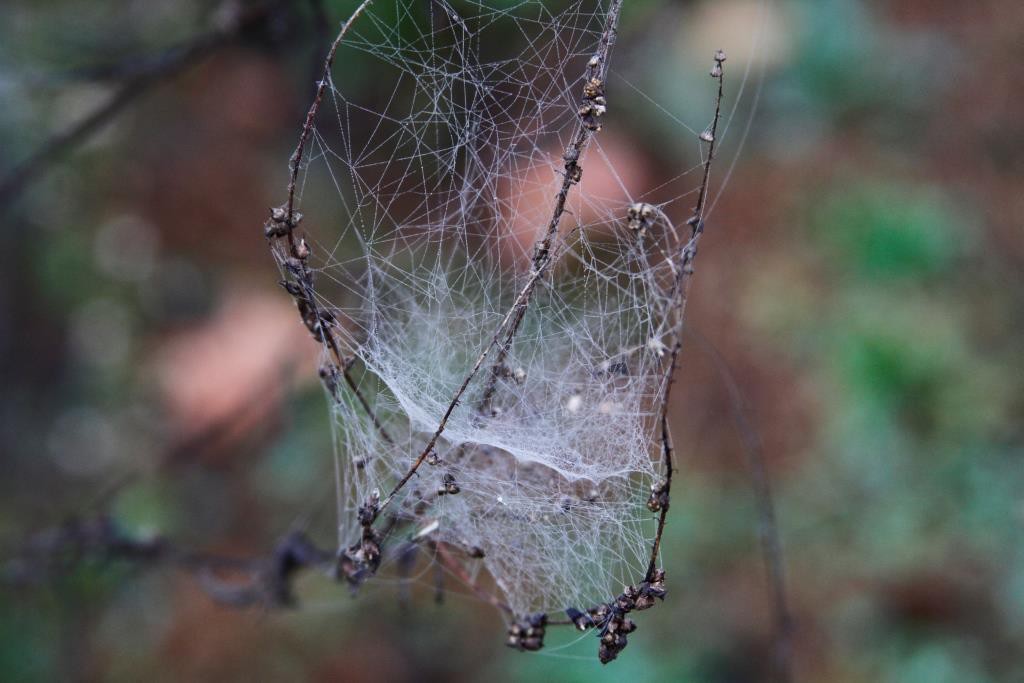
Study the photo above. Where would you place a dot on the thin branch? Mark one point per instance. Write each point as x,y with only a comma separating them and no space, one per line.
293,256
590,114
307,127
590,122
684,277
267,580
451,563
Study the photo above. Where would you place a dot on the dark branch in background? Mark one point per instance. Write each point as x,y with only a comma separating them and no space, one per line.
138,77
768,530
239,582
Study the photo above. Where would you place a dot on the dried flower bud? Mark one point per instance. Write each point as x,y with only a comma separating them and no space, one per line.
527,634
640,217
659,498
291,288
716,70
574,172
448,485
582,620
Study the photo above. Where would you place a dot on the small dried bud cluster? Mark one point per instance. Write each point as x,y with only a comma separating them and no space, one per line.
613,634
649,591
574,172
448,485
300,283
361,560
716,70
708,135
594,104
612,619
329,376
433,459
641,218
279,225
502,371
368,510
527,634
659,498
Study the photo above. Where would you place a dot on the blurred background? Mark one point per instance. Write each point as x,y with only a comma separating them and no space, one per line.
862,277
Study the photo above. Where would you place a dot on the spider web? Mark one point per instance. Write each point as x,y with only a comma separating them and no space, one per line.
424,197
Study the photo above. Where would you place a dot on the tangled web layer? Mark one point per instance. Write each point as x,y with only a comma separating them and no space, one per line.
425,207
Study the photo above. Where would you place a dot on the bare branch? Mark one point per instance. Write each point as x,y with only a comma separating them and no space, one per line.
238,582
681,288
140,78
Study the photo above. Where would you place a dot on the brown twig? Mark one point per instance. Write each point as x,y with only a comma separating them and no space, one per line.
293,256
590,114
307,127
611,619
451,563
681,290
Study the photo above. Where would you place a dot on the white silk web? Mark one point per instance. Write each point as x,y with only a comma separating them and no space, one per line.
424,197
